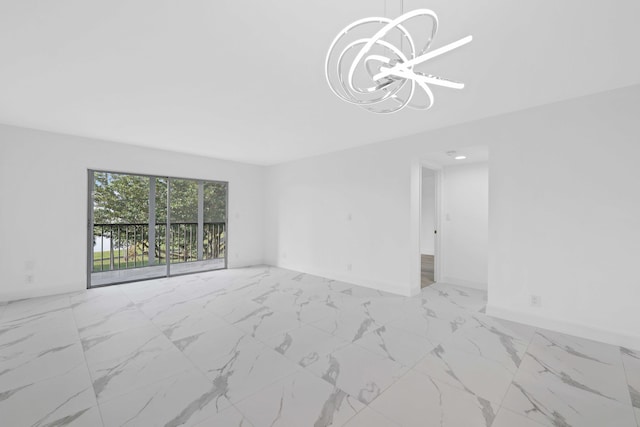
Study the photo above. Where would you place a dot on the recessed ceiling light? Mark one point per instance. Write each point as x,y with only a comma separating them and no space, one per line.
460,157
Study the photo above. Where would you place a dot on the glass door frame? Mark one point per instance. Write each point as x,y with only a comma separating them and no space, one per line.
90,223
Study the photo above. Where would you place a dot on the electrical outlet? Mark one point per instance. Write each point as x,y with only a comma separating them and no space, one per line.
349,266
284,255
535,301
29,267
349,217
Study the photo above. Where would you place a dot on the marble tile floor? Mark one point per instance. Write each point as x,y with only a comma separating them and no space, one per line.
264,346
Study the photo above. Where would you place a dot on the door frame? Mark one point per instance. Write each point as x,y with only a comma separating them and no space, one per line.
416,223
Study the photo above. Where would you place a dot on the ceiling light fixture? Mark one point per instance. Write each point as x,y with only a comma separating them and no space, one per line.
455,155
380,76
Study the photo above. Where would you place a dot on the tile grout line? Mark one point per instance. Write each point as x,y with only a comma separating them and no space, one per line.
346,344
193,365
84,357
636,411
209,380
160,333
526,351
409,371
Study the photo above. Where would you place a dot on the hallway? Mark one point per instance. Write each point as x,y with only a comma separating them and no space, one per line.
426,270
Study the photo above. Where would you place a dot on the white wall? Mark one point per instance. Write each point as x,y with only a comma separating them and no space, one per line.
43,185
345,209
465,226
547,167
564,220
427,225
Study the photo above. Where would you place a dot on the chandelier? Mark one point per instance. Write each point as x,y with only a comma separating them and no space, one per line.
378,72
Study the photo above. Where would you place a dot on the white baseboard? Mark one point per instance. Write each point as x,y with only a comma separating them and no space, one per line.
245,263
462,282
390,287
41,292
569,328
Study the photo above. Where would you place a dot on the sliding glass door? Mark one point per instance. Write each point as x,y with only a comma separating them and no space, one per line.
198,224
143,227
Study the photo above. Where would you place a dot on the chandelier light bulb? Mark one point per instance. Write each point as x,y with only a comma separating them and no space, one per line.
378,73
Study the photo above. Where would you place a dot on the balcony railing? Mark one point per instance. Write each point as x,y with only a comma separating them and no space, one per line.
124,246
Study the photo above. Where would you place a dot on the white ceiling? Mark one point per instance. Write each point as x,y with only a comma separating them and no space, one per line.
244,80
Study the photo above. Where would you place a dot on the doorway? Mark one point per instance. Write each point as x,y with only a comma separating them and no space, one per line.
450,210
428,228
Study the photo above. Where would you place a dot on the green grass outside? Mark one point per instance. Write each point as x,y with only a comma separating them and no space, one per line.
119,263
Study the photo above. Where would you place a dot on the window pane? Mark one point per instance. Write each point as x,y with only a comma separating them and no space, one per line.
215,202
161,220
161,200
121,199
184,201
215,217
122,242
184,220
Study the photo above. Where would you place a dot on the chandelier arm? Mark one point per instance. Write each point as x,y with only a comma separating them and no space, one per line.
427,56
434,80
382,43
377,36
404,102
387,110
345,88
337,39
348,95
434,29
430,96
